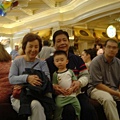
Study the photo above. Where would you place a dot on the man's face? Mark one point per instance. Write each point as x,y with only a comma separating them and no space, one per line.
111,49
62,43
16,47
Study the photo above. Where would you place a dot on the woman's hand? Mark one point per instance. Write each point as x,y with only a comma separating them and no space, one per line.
17,86
34,80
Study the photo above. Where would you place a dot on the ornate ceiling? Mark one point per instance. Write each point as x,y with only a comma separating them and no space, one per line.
35,15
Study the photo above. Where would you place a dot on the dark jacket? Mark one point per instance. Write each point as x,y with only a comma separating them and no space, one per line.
30,93
75,63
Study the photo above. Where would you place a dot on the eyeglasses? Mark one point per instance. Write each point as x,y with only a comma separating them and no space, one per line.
111,47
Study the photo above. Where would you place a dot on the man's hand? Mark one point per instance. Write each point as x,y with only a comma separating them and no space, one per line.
75,85
59,90
117,94
70,90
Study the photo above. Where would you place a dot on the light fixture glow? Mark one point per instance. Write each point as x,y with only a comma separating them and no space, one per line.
111,31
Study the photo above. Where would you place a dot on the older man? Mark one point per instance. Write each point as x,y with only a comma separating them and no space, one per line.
61,42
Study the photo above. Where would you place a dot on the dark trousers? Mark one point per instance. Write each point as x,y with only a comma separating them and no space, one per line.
118,107
88,112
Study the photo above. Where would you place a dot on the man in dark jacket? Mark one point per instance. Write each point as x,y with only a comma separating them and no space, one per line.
61,42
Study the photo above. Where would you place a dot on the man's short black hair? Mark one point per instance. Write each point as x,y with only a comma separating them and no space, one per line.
110,40
59,32
46,43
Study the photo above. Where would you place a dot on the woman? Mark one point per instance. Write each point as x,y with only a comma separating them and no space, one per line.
99,48
5,86
31,46
87,56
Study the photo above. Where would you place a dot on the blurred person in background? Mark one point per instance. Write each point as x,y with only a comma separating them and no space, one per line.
87,56
46,50
71,49
118,54
5,86
14,52
20,53
99,48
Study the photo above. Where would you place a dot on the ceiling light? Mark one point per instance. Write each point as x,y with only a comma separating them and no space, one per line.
118,19
111,31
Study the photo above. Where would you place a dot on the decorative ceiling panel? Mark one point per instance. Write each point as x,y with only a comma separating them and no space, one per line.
34,14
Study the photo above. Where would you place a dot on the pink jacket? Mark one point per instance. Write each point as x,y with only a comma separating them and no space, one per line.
5,86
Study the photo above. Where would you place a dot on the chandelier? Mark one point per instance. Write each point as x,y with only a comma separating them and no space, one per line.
111,31
7,5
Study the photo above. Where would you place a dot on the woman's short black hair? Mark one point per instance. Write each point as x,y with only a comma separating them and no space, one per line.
31,37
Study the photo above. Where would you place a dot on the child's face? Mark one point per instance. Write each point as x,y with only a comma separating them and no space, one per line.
60,61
